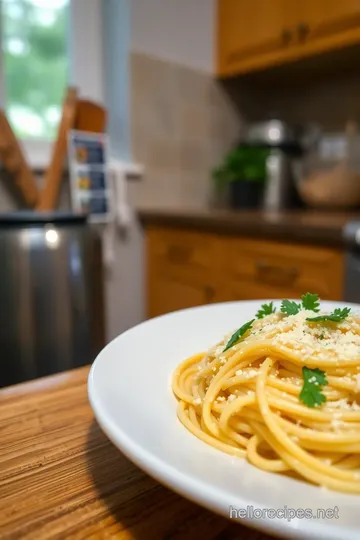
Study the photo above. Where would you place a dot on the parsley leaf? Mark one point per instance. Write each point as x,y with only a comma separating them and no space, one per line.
310,302
289,307
311,393
238,334
266,309
337,315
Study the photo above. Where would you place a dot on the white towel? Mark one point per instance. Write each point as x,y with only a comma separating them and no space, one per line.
119,212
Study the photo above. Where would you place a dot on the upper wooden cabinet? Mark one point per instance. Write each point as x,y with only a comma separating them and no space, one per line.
259,33
328,19
249,29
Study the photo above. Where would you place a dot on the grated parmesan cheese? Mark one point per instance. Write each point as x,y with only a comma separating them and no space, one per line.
341,341
336,424
246,373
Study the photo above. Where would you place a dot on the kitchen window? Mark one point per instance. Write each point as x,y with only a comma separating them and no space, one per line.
47,45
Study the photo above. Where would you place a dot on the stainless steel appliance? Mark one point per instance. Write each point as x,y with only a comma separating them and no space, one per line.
352,262
283,144
51,295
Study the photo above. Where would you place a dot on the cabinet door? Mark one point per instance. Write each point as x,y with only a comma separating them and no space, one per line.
248,29
268,269
321,19
168,294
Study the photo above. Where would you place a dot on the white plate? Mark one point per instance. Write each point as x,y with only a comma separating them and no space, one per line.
130,393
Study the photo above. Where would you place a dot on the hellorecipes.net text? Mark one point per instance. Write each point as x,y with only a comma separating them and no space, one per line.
249,512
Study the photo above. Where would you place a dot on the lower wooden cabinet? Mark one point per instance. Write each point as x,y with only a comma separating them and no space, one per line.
187,268
168,294
268,269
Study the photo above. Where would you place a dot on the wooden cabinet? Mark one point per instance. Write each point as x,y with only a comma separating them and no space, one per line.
250,29
267,269
168,294
261,33
181,269
328,19
186,269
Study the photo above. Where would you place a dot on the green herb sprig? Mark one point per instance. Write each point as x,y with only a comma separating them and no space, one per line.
311,393
290,307
266,309
311,302
338,315
238,334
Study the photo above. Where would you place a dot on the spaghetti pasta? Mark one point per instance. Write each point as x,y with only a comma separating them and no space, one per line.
284,395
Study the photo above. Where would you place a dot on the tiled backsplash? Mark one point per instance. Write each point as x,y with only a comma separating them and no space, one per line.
182,124
328,100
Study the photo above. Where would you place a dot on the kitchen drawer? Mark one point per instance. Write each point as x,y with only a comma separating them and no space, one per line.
181,252
168,293
261,269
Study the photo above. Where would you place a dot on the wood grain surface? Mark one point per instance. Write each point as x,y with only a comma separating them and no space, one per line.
61,478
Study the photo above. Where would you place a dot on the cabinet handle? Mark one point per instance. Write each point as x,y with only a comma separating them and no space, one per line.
276,274
178,254
286,36
303,30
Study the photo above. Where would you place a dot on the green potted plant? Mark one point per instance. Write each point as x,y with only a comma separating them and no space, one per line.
243,174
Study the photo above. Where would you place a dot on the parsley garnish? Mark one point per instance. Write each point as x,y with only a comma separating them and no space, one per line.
238,334
266,309
289,307
310,302
311,393
337,315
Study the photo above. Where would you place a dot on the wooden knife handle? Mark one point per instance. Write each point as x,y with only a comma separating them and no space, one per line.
50,194
15,163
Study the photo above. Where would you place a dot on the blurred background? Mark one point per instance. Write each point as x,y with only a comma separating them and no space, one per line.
162,154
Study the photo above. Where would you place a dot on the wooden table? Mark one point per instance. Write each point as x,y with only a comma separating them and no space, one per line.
61,478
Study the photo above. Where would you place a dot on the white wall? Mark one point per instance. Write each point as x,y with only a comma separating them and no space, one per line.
86,46
180,31
116,47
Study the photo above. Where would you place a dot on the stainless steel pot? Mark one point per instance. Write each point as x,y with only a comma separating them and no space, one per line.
283,143
51,295
279,192
272,132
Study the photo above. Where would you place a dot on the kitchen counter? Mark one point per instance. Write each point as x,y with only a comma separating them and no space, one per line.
60,477
309,226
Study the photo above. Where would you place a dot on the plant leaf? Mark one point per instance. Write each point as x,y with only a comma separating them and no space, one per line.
238,334
290,307
311,302
311,393
266,309
338,315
